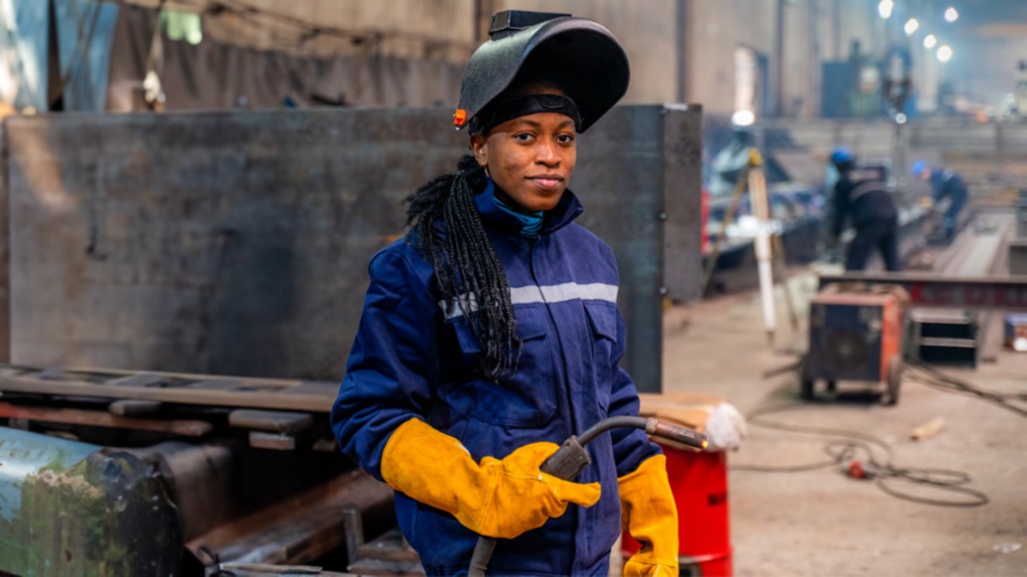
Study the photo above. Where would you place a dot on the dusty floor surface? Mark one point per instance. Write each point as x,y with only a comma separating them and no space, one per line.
823,523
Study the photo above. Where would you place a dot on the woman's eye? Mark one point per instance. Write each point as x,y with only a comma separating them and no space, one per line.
565,138
523,137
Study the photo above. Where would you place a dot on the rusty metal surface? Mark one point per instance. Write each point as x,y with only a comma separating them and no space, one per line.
70,508
389,554
238,242
184,427
682,186
620,181
987,293
201,479
223,243
298,529
5,252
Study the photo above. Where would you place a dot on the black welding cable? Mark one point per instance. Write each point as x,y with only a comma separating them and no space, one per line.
932,377
851,444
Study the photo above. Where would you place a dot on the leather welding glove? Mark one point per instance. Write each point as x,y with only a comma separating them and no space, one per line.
496,498
649,515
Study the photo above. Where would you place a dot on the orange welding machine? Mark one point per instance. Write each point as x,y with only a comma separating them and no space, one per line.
857,333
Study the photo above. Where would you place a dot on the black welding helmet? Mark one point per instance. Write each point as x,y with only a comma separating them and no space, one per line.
579,56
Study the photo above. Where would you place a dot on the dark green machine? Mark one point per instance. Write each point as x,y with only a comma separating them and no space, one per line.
75,509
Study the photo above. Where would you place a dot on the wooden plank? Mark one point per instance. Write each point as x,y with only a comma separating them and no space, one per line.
239,399
219,384
272,441
316,388
186,428
274,421
126,408
139,380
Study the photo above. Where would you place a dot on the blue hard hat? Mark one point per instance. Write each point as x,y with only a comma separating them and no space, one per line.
841,154
919,167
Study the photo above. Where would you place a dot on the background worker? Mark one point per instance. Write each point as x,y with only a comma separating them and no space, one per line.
945,184
491,333
862,197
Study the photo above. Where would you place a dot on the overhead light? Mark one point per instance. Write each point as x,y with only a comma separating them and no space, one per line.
912,26
901,118
945,54
931,41
951,15
885,8
743,118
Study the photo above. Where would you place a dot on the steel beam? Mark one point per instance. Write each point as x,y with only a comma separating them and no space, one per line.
925,290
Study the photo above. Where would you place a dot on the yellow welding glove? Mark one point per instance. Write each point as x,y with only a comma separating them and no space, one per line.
649,515
497,498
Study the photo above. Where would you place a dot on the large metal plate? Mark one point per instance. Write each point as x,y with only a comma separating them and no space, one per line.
237,242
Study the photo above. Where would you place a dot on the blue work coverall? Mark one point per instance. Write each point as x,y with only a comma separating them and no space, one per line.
410,359
948,184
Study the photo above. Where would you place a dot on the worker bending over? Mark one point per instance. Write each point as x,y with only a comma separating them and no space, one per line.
945,184
491,333
861,197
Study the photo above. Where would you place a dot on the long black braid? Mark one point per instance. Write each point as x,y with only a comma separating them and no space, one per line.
469,272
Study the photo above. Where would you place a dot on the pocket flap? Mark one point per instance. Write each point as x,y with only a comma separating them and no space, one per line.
530,325
603,317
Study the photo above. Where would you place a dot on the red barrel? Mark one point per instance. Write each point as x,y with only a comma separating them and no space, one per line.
699,483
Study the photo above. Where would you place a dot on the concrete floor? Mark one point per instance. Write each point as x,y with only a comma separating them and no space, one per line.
823,523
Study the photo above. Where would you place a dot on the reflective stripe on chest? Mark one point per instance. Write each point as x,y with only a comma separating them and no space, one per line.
546,294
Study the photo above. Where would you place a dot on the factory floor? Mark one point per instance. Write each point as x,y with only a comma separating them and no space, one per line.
823,523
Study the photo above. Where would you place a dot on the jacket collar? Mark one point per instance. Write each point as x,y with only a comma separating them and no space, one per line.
568,209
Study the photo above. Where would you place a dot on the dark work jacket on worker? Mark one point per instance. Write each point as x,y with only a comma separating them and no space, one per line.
863,200
949,184
410,360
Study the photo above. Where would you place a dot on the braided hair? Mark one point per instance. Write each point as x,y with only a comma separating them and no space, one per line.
467,268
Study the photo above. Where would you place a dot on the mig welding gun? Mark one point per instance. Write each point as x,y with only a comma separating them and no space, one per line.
572,458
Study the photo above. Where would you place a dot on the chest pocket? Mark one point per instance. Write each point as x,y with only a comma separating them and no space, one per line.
602,318
525,397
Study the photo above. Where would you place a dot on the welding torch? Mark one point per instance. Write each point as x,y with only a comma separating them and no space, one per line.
572,458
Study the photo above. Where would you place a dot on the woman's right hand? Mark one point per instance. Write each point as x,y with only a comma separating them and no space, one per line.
498,498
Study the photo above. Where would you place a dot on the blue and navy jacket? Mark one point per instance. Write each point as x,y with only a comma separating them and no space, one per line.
410,359
861,197
947,183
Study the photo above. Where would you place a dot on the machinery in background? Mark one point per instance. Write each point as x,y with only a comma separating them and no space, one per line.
857,333
945,336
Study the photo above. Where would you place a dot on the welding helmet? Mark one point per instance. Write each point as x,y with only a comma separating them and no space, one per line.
577,55
841,155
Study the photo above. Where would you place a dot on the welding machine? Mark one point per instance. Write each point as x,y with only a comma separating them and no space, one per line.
857,333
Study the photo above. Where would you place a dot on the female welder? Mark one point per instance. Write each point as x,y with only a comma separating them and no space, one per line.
491,333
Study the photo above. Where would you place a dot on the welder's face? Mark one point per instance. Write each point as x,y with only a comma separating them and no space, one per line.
530,158
925,174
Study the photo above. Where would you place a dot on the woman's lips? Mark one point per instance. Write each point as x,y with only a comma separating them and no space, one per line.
546,182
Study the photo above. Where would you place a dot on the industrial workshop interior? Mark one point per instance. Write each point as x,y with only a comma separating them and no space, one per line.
659,288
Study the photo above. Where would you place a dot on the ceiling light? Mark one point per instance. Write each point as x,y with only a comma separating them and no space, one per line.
944,54
912,26
885,8
951,15
931,41
743,118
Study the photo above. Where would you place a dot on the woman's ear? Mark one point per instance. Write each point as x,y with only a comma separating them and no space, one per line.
480,148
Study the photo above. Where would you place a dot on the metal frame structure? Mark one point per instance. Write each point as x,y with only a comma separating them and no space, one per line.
927,290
